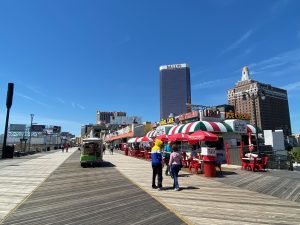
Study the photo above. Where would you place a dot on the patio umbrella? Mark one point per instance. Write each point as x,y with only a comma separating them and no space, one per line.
163,137
144,139
179,137
201,135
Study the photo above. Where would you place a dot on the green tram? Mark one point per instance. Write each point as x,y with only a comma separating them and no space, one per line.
91,152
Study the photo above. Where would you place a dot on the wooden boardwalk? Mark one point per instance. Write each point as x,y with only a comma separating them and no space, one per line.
19,177
75,195
281,184
208,201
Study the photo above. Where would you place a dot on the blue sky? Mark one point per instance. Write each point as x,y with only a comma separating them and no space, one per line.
70,58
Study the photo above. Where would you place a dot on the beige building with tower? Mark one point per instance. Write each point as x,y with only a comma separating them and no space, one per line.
271,103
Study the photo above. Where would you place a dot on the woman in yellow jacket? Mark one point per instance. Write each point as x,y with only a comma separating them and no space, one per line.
157,164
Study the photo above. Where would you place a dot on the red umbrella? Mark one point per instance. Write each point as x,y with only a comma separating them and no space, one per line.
144,139
179,137
163,137
201,135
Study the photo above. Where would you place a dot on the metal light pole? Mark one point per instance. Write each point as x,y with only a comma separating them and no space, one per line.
253,98
9,99
30,130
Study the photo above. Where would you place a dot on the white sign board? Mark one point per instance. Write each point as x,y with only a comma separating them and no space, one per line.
238,126
208,151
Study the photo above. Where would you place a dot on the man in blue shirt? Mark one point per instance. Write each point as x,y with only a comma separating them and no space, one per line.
166,154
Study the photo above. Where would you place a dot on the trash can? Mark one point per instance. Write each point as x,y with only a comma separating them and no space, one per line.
126,151
209,166
48,148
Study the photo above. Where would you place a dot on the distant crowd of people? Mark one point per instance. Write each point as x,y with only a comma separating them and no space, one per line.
65,147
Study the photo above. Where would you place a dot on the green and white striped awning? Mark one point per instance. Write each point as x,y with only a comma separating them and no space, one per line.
200,125
252,129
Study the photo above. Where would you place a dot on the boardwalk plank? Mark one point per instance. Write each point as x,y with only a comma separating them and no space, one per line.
75,195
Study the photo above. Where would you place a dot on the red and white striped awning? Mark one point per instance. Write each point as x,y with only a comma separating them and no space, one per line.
175,129
252,129
132,140
144,139
201,125
151,133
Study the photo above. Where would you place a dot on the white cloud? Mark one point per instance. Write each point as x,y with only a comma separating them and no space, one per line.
31,99
60,100
76,105
278,7
80,106
211,83
236,44
292,86
280,65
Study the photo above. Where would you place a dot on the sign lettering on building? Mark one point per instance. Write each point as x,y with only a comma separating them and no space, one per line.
212,113
238,116
169,120
175,66
190,115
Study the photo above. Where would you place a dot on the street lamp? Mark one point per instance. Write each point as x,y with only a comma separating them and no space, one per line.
30,130
253,97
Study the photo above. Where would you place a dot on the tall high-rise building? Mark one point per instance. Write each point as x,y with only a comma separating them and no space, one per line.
272,111
175,89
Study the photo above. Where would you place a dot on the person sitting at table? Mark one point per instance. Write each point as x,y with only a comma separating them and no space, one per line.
193,154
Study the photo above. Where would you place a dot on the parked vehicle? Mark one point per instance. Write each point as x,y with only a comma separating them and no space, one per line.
91,152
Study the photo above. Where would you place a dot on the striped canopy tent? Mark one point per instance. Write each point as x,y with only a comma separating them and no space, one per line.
144,139
151,134
252,129
132,140
201,125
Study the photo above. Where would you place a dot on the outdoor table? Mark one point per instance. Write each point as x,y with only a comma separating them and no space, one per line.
250,159
198,160
251,155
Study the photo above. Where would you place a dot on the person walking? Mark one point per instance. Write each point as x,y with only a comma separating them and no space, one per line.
157,164
175,164
104,148
167,153
111,149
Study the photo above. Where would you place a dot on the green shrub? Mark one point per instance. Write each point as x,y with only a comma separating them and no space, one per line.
296,154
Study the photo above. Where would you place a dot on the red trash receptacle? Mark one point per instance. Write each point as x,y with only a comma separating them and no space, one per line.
209,166
126,151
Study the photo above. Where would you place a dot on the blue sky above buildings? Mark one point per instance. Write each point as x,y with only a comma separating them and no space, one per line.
71,58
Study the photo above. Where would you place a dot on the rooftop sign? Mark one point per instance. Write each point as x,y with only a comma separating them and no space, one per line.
174,66
239,116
